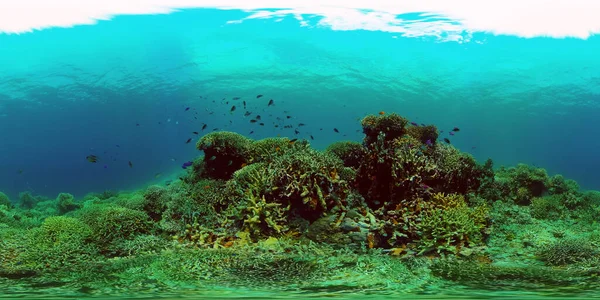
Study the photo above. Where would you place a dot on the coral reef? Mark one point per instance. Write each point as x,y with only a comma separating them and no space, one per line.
279,210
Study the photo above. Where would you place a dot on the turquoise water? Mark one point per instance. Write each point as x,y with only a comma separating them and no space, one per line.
80,90
120,89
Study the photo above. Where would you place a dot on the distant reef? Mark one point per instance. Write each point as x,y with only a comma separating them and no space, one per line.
278,209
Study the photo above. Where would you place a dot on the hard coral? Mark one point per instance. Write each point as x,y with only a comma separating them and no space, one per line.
224,153
4,200
424,133
567,251
60,242
351,153
391,126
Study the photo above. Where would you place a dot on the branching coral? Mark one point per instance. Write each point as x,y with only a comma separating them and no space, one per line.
351,153
111,224
391,126
224,153
60,242
4,200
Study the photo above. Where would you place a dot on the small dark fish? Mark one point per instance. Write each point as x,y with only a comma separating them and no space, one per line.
336,130
226,102
288,117
232,109
271,102
261,124
130,164
106,166
311,137
293,141
215,129
455,129
187,108
252,121
187,164
188,141
137,124
300,124
235,98
451,132
20,171
447,140
414,124
195,132
118,146
288,126
276,126
258,117
204,126
251,132
92,158
258,96
473,147
423,124
244,102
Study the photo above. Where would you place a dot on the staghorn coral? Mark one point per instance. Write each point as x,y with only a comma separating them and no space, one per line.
265,150
391,126
4,200
424,133
567,251
523,182
65,203
224,153
60,242
111,224
351,153
458,172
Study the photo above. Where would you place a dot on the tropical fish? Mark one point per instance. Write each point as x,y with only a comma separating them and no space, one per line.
130,164
258,117
252,121
251,132
195,132
382,113
204,126
92,158
336,130
187,108
261,124
455,129
293,141
451,133
428,143
258,96
244,102
447,140
232,109
187,164
311,137
300,124
271,102
188,141
414,124
247,113
296,131
235,98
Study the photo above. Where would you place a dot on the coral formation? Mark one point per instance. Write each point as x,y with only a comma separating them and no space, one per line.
277,209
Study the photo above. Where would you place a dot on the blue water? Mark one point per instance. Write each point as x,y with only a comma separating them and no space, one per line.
66,93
